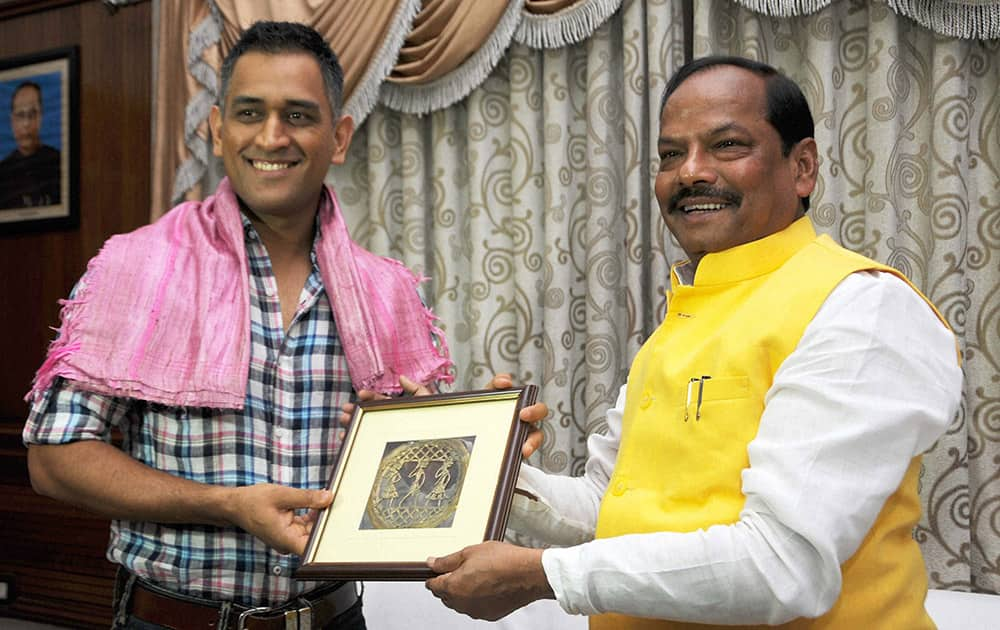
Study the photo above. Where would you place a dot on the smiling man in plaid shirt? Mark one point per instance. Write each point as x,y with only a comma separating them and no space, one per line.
223,342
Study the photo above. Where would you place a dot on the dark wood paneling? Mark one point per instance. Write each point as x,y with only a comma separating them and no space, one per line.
12,8
36,270
56,553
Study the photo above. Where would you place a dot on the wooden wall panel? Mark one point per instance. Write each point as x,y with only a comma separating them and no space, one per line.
54,553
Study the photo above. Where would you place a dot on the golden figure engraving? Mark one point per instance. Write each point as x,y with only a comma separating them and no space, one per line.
392,477
441,479
418,484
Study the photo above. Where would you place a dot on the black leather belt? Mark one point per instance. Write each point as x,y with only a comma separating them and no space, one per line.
308,611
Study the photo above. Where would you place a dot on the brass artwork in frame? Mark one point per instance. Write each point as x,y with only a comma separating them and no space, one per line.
418,477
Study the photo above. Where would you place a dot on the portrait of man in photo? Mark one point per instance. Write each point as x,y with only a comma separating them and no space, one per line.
30,173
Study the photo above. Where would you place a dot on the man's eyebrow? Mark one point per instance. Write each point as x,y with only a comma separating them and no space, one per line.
304,104
242,100
723,128
245,100
730,126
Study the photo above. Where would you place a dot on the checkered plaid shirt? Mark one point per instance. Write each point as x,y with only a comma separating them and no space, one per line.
287,434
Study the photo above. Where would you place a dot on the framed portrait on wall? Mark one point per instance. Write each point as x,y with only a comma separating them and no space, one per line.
419,476
39,134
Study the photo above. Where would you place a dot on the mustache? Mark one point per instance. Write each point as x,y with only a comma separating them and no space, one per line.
728,196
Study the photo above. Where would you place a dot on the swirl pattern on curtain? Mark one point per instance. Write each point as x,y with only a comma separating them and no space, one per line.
908,126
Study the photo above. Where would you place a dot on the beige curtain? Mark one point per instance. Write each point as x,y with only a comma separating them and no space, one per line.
529,205
908,125
415,56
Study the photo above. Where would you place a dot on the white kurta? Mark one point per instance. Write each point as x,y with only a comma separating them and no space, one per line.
873,382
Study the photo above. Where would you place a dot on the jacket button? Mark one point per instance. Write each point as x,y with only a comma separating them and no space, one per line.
647,400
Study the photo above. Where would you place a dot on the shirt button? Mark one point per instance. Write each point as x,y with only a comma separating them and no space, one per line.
619,488
276,570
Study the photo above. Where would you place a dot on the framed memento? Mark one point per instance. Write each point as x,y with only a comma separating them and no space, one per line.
417,477
39,137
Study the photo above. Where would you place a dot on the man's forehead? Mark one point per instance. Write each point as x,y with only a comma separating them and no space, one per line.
723,84
280,79
27,95
252,63
717,97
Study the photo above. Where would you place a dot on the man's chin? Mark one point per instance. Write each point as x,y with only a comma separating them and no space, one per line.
272,204
29,149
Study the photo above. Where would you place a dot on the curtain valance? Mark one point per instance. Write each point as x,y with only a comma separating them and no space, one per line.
965,19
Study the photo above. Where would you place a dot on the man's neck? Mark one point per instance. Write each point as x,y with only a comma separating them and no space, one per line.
288,240
284,236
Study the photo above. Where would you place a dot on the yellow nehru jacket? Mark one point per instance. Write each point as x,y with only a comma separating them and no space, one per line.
680,462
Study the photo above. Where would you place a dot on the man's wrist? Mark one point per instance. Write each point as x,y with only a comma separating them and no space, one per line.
537,578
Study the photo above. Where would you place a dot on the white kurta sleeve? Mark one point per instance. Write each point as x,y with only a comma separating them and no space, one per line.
873,382
564,509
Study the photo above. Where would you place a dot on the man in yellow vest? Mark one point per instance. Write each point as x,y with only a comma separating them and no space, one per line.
760,465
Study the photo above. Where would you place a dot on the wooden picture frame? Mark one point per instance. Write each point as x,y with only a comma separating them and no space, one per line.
417,477
39,138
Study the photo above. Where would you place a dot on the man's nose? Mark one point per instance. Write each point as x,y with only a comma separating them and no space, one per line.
273,133
697,168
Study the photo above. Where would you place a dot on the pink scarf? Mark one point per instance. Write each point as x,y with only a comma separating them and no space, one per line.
164,312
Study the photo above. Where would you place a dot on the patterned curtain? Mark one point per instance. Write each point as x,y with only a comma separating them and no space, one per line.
413,56
529,206
908,125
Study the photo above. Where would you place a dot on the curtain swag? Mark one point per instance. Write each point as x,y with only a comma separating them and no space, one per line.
366,94
571,24
964,19
412,94
534,23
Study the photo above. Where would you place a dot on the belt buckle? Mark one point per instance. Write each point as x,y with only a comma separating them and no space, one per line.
242,619
298,619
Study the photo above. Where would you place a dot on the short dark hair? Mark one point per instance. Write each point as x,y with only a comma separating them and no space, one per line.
23,85
287,37
787,108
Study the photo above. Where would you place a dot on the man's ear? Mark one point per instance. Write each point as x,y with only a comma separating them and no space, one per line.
215,124
805,162
343,131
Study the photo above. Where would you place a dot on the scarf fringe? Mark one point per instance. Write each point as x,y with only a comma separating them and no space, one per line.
441,371
366,94
61,347
457,84
564,28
